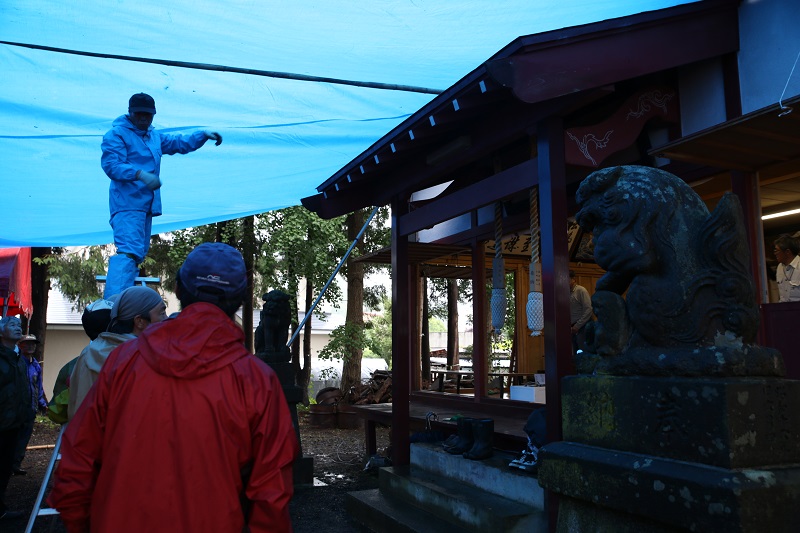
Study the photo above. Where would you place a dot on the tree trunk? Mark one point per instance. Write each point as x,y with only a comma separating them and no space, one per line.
452,322
351,367
248,252
40,291
426,334
304,377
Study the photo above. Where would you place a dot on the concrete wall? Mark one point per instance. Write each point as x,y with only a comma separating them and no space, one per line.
62,344
769,43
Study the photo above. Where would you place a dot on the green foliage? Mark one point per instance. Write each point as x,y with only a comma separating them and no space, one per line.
435,325
378,332
374,296
168,251
297,244
44,421
74,272
343,340
437,295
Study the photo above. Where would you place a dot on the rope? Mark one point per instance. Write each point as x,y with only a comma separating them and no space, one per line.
498,302
498,229
534,307
534,217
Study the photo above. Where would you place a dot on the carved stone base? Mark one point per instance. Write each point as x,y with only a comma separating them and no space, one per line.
726,422
740,360
638,492
272,357
698,454
304,466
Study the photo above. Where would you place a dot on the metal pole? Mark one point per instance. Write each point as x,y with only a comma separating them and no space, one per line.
330,279
238,70
37,511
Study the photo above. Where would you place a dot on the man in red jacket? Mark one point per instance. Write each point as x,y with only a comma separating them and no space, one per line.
184,430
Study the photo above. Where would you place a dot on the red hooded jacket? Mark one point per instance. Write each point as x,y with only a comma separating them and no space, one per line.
166,437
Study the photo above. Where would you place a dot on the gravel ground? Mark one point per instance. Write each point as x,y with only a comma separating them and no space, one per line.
338,464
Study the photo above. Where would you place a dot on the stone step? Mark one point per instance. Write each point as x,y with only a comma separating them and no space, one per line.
378,512
466,506
491,475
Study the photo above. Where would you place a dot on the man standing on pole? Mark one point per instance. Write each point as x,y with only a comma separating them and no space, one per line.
132,152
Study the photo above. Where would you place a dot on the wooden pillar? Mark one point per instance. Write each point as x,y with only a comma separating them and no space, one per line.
480,336
401,341
555,267
745,186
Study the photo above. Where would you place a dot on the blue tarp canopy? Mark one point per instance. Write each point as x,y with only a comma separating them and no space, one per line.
282,136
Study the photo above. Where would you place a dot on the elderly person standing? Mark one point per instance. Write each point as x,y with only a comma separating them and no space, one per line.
788,273
135,309
14,404
132,151
38,403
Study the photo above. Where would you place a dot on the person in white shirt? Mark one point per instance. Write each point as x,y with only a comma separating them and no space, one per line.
788,274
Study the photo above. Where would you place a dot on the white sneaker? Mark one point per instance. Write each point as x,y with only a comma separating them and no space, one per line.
527,460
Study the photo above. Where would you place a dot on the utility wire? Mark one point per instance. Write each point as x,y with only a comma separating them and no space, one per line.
223,68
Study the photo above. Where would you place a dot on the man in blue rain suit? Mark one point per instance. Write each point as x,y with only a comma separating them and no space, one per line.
132,152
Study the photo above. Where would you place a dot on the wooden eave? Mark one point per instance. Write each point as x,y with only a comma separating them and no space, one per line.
440,260
763,142
552,73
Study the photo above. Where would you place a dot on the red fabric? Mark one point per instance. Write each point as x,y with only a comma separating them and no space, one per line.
161,440
15,277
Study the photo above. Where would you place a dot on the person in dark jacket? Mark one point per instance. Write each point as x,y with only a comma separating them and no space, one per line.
38,402
132,151
14,404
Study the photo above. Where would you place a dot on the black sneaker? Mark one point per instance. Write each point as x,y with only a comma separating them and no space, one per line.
11,515
20,472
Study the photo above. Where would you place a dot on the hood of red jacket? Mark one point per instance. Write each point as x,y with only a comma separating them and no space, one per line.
200,340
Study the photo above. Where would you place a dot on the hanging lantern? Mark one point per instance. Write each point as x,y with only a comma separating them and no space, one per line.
498,301
535,306
498,309
535,310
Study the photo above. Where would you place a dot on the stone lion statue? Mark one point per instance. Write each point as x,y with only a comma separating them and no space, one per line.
689,302
272,332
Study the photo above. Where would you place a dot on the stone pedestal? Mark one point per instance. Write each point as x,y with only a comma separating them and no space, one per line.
304,466
676,454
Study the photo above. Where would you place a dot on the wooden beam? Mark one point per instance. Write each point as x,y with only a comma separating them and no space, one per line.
555,267
483,193
746,187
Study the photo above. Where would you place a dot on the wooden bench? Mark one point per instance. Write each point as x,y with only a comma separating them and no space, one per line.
507,428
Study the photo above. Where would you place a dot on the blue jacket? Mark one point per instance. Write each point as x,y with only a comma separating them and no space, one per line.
38,400
126,149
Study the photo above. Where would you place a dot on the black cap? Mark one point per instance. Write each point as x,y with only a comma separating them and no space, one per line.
142,103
